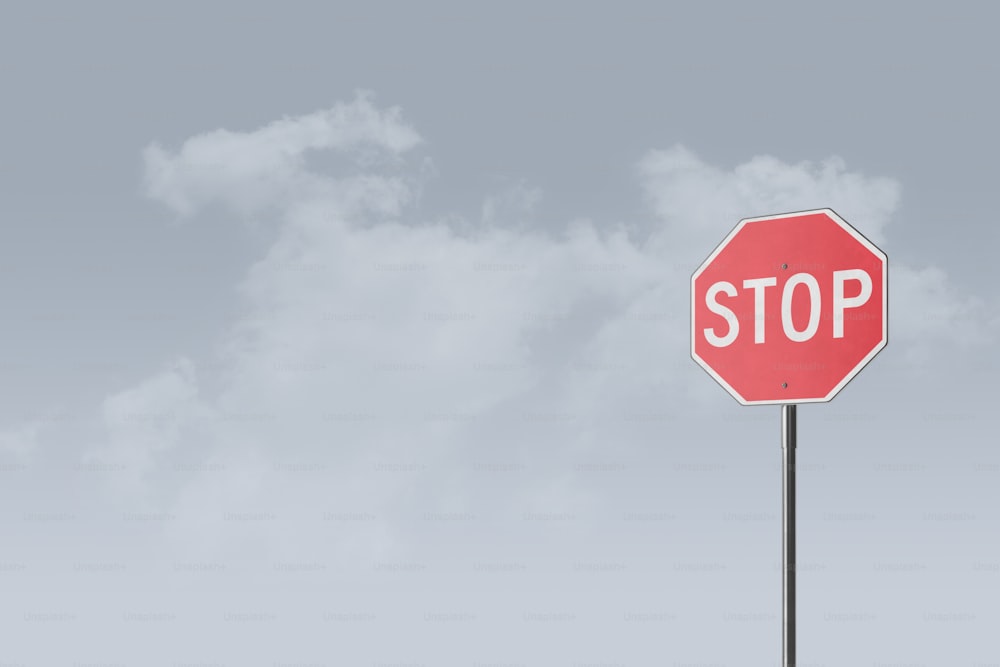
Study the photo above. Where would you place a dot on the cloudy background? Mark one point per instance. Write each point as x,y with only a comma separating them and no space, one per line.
359,336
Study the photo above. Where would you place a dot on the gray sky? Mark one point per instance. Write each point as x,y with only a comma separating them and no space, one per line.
359,336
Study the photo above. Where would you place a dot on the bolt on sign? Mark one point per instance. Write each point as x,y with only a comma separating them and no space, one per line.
789,308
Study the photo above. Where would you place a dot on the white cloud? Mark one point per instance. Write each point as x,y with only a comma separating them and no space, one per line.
266,168
928,312
700,203
18,443
512,206
147,423
379,361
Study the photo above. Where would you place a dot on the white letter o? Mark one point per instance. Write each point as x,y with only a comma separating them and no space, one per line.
786,307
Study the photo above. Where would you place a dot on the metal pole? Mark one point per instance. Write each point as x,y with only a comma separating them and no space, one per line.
788,535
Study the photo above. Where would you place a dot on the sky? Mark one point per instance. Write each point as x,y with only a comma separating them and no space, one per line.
359,335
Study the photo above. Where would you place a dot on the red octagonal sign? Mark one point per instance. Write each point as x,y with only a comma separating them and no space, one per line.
788,308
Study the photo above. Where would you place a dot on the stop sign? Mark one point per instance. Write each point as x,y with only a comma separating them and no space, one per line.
788,308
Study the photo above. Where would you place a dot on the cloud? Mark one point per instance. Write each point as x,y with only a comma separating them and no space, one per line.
512,206
700,203
18,443
384,365
927,312
146,424
265,168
